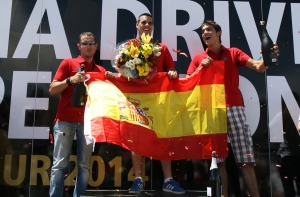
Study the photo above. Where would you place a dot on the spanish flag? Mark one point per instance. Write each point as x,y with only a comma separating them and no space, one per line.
165,119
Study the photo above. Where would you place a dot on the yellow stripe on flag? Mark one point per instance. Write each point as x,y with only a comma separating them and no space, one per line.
188,113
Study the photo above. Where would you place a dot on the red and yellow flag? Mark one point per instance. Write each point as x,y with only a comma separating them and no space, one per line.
167,119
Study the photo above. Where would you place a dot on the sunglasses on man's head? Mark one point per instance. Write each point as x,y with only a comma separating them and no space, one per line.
87,43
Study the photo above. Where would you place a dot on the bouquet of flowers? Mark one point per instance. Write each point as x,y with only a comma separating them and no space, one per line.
137,58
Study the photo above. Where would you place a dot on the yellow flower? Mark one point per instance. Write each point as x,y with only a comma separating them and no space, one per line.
146,38
140,69
147,50
127,52
143,70
134,51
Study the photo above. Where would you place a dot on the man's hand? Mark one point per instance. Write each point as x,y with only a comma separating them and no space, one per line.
78,77
206,61
276,49
109,74
172,73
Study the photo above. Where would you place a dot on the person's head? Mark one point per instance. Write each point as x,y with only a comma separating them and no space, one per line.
211,32
87,44
144,24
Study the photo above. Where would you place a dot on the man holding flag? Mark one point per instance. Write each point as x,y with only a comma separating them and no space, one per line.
165,64
69,120
238,130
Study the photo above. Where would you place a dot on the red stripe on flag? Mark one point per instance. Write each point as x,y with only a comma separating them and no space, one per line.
94,76
144,141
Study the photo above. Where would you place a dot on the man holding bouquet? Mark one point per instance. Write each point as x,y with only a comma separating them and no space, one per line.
165,63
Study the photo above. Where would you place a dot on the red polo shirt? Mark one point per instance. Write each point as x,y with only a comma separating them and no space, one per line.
67,68
165,60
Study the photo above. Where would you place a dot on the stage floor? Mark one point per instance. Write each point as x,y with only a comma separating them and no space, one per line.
152,193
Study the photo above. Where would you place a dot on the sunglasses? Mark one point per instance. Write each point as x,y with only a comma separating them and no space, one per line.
87,43
145,22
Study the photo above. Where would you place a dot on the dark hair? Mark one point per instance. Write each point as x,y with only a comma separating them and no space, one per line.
215,25
87,34
144,14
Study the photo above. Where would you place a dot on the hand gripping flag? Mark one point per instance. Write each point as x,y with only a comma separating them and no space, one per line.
167,119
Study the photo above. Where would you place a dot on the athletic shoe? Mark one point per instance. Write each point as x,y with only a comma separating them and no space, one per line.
137,186
173,187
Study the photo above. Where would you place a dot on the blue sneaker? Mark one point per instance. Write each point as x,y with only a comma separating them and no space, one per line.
173,187
137,186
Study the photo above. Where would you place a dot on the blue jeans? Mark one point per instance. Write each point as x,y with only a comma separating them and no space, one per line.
63,138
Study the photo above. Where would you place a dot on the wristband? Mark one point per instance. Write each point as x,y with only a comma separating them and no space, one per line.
68,81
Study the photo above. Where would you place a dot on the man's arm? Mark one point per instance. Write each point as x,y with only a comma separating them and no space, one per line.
258,65
168,63
56,87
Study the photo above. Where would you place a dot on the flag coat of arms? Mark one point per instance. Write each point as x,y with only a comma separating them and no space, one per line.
166,119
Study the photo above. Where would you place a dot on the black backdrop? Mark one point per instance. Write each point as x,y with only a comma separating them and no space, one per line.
26,158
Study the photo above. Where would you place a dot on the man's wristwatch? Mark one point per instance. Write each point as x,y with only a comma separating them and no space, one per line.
68,81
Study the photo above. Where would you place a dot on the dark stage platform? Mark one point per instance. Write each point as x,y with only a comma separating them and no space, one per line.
145,193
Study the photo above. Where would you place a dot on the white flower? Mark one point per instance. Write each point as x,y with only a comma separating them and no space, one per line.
130,64
157,54
137,61
157,48
125,51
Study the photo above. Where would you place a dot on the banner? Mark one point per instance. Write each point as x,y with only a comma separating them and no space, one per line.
166,119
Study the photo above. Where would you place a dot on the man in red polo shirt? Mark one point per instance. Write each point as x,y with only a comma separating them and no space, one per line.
165,64
69,120
238,130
